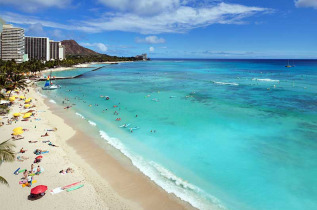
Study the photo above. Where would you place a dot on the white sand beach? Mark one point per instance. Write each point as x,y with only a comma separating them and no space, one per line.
107,183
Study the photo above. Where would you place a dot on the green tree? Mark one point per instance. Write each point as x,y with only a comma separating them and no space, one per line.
6,155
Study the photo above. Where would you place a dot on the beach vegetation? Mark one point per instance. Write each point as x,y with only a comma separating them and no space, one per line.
7,154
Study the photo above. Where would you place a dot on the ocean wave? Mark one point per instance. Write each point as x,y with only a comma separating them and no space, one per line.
80,115
52,101
92,123
166,179
266,80
226,83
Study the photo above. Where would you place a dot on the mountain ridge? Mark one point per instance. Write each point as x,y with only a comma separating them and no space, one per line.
73,48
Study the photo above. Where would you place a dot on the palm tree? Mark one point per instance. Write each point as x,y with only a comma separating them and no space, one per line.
17,81
6,155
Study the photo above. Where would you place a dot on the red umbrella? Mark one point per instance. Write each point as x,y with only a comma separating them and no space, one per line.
39,157
38,189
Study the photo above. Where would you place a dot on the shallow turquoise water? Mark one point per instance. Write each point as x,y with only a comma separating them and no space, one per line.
235,134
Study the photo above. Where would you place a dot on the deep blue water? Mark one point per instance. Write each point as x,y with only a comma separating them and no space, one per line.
235,134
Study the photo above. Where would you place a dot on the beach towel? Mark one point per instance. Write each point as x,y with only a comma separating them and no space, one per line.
56,190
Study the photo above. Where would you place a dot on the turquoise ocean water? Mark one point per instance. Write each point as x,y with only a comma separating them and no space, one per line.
232,134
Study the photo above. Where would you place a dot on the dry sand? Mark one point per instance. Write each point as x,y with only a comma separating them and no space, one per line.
108,184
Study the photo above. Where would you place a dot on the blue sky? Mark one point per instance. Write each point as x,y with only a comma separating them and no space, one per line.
174,28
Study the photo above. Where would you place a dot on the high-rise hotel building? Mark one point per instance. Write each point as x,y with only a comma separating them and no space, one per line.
12,43
37,48
57,50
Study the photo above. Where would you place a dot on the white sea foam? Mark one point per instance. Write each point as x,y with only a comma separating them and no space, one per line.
80,115
52,101
166,179
226,83
266,80
92,123
43,96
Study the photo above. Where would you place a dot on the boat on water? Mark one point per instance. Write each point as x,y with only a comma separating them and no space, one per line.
49,85
288,66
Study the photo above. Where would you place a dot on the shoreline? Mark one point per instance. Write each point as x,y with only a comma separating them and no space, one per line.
117,173
82,65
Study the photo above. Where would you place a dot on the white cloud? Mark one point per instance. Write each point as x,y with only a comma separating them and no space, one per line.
35,30
150,40
57,34
98,46
306,3
151,49
179,20
15,18
142,7
32,5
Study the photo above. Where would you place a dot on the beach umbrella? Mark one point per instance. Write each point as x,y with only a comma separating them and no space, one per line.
39,157
22,97
15,96
28,100
27,105
18,132
11,99
38,189
27,115
17,129
17,114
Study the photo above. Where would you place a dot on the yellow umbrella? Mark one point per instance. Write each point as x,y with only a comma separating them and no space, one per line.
22,97
28,100
17,129
15,96
27,105
27,115
17,114
18,132
16,90
11,99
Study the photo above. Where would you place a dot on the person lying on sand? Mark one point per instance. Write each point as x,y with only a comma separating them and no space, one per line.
18,137
46,141
53,145
32,141
46,134
21,158
22,150
69,170
37,160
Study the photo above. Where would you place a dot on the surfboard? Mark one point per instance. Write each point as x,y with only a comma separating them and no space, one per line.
70,185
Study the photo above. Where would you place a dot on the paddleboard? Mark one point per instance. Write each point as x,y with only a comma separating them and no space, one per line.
75,188
22,170
16,171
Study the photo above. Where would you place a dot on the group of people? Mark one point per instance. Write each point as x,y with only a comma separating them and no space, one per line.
68,170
